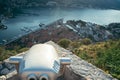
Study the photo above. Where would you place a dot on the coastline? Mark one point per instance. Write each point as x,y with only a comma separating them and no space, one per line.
32,31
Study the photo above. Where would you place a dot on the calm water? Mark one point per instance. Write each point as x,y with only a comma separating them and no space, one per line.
33,17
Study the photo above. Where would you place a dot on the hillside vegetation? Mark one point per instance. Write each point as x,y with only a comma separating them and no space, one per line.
105,55
7,52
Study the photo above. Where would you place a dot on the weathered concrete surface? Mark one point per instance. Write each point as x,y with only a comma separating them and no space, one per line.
78,70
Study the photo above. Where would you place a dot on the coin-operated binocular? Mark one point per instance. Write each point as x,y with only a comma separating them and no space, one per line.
41,62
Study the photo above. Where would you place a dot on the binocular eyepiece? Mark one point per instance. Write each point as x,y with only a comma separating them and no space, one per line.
41,62
32,77
41,77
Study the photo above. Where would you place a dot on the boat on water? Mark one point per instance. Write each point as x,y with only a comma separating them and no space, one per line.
25,29
41,25
4,41
3,26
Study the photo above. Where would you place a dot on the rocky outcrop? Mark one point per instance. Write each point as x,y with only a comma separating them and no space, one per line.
6,68
114,28
94,31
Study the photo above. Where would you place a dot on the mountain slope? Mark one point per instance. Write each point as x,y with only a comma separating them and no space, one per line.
11,7
90,3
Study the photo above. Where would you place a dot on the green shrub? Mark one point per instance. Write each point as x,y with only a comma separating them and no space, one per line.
75,44
86,41
23,50
64,43
6,53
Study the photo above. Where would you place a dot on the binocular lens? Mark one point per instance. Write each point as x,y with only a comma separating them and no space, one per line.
43,79
32,77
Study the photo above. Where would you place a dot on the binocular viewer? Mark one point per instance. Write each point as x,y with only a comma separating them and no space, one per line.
41,62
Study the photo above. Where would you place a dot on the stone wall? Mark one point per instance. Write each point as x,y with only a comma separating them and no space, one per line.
78,70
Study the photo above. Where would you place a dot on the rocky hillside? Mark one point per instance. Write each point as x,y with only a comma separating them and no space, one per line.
54,31
114,28
114,4
9,8
93,31
65,3
73,30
